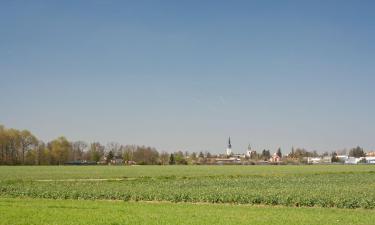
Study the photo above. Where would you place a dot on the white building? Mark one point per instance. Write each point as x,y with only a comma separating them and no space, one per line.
229,148
370,159
353,160
342,158
249,152
314,160
318,160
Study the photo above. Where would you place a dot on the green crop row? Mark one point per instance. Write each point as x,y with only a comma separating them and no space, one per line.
343,190
85,172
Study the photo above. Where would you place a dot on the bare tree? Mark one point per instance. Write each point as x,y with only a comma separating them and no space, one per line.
27,141
115,148
78,150
164,158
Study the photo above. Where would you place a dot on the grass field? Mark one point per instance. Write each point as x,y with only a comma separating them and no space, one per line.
261,194
76,172
36,211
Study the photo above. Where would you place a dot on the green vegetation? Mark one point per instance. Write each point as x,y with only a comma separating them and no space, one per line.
84,172
322,186
184,194
39,211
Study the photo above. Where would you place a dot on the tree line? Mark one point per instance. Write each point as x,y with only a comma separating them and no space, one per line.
21,147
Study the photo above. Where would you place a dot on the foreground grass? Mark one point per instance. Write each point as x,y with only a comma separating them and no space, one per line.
45,211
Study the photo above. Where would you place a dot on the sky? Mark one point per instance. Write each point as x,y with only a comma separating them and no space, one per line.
186,75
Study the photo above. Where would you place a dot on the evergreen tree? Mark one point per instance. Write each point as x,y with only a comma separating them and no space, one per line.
172,160
278,153
109,156
357,152
334,157
266,155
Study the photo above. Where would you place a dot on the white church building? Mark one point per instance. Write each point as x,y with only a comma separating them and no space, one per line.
229,148
229,152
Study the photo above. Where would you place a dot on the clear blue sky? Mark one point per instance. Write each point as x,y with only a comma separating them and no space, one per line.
188,74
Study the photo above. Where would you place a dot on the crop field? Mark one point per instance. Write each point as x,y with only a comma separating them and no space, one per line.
64,212
304,191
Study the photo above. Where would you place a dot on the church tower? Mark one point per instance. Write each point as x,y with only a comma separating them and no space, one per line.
249,151
229,148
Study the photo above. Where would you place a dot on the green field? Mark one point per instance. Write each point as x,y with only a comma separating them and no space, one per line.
76,172
329,194
36,211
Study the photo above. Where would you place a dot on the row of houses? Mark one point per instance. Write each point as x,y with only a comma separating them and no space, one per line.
369,159
353,160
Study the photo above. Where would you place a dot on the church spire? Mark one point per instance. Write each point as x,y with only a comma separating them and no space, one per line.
229,148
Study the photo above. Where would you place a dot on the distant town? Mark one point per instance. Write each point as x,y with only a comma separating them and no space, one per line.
21,147
296,156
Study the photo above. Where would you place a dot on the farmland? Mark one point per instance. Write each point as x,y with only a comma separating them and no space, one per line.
85,172
37,211
297,190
